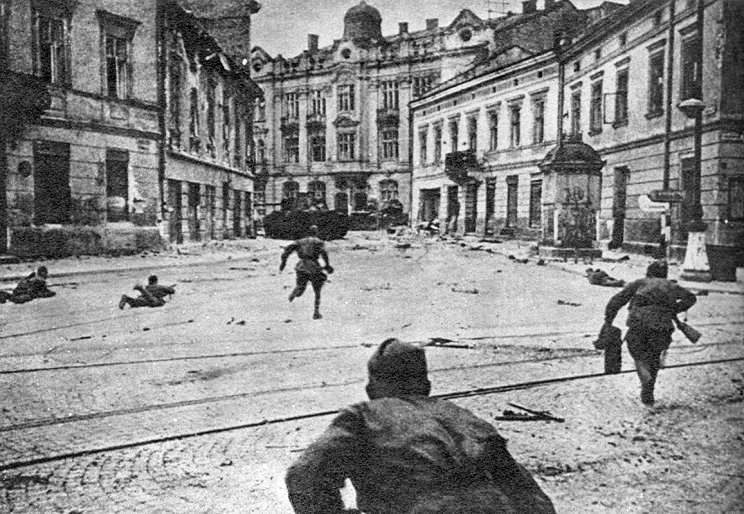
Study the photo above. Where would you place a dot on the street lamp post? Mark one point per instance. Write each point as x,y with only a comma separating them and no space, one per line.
695,266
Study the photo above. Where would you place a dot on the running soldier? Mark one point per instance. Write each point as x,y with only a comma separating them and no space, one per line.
29,288
654,305
308,269
152,295
407,453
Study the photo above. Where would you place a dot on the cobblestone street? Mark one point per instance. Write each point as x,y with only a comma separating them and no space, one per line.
201,405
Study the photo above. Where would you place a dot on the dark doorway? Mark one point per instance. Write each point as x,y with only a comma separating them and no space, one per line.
490,204
225,210
52,196
211,200
175,231
117,185
471,206
619,200
237,214
341,202
193,216
512,183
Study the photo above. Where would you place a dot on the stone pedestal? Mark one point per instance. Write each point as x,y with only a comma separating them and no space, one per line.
696,267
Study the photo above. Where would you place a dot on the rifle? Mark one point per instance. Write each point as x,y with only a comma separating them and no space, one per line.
690,333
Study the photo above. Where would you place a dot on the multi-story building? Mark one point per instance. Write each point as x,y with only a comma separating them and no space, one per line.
334,122
479,138
614,91
624,82
83,158
208,129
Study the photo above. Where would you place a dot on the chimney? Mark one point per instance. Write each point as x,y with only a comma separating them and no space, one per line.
312,43
529,6
402,28
432,23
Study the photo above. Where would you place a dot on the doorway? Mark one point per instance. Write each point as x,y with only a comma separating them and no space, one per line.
52,196
193,216
490,204
237,216
471,206
512,183
619,197
175,232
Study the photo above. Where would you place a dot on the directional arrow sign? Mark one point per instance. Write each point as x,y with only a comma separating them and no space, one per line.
647,205
666,195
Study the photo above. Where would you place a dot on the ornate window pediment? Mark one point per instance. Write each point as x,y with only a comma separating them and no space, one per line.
345,121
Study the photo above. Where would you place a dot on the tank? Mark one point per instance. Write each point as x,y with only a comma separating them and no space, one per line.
295,223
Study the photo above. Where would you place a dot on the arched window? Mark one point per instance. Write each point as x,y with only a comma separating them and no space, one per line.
341,202
388,190
290,194
317,191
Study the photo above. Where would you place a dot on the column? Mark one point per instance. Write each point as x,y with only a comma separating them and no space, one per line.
373,104
302,120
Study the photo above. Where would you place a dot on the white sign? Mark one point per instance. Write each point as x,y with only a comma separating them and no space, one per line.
648,205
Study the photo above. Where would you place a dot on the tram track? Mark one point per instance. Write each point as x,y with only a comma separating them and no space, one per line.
481,391
184,358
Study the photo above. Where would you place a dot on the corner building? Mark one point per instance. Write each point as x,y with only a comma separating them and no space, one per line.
334,125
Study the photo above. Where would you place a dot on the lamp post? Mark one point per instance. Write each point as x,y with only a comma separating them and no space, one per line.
695,266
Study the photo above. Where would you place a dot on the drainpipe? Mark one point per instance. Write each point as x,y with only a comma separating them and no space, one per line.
161,56
667,216
410,165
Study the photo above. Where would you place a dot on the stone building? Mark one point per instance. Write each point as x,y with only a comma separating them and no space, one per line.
79,169
479,138
614,91
334,123
83,160
209,111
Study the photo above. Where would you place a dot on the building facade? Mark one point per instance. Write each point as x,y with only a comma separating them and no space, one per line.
208,129
478,139
334,124
83,163
613,90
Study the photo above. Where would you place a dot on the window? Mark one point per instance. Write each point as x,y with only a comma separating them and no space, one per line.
516,124
317,192
656,84
390,143
595,112
194,120
473,134
438,144
621,98
317,103
237,141
260,109
512,185
346,98
51,47
493,130
52,196
292,106
292,148
577,66
290,194
117,33
535,203
623,39
690,82
174,101
736,198
211,115
346,146
226,124
538,127
390,95
453,130
422,85
597,54
423,135
260,151
318,147
576,113
117,185
656,20
388,190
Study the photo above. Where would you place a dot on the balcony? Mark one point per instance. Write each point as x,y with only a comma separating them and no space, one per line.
289,125
458,166
388,116
315,121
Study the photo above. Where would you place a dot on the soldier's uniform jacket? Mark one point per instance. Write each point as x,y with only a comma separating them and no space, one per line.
412,454
308,249
159,291
654,303
32,285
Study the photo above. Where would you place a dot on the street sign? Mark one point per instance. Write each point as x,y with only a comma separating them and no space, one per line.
666,195
647,205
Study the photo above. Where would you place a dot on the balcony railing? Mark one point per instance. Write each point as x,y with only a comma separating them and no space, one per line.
388,116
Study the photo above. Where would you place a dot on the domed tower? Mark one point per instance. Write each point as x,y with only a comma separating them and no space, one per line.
362,23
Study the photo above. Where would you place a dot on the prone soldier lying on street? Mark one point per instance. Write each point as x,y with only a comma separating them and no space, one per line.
654,305
152,295
29,288
406,452
598,277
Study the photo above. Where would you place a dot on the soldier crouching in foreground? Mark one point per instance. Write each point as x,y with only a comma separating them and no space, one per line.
308,269
29,288
152,295
654,305
405,452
